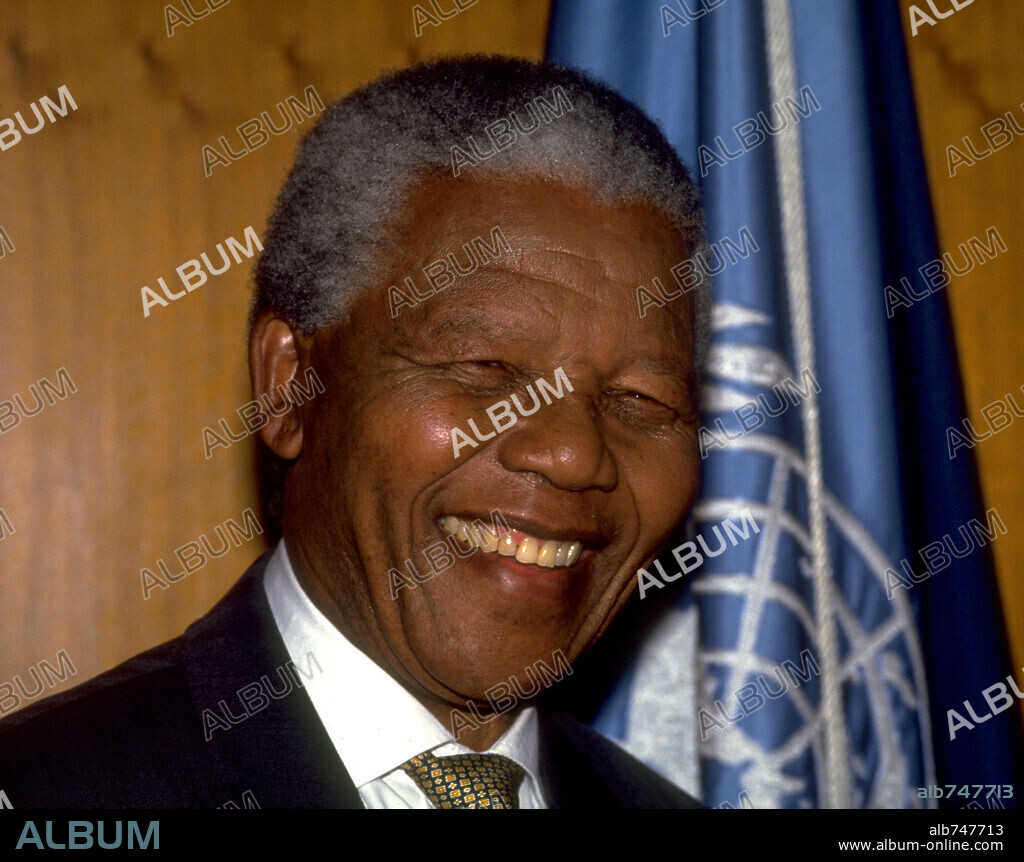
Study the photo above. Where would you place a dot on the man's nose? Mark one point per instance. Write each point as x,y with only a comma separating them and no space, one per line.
564,443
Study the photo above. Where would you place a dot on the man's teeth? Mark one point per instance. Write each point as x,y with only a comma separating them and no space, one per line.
548,553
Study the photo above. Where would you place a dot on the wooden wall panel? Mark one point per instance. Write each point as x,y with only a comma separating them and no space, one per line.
968,69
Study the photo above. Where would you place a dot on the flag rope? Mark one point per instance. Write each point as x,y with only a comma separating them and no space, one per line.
789,177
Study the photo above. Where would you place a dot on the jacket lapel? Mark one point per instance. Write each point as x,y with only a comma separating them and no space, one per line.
263,733
568,774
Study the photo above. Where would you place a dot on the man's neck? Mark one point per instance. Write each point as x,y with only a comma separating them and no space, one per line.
471,728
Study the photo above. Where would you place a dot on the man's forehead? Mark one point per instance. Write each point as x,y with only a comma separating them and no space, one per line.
525,258
538,230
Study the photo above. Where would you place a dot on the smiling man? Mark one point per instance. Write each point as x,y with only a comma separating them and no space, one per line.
336,673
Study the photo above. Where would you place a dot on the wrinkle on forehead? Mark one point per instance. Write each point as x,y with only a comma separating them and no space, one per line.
566,275
550,255
505,302
452,211
473,309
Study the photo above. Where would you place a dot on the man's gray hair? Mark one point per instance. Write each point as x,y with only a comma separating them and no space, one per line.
329,233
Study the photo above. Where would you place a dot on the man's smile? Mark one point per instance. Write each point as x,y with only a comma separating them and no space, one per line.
545,564
526,548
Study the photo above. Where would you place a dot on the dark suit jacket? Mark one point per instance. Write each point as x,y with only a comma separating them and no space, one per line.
135,736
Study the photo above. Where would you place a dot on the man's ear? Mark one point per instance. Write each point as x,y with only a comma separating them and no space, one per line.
275,358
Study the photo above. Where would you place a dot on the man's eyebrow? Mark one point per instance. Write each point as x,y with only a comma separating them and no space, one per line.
661,366
681,373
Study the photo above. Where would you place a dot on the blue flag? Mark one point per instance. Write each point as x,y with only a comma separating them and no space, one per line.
829,635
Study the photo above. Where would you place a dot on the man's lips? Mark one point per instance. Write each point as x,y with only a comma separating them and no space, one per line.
562,568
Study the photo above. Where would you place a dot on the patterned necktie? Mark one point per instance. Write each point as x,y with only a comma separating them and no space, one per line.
467,780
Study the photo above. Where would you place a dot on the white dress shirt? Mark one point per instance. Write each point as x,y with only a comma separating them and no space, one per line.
374,723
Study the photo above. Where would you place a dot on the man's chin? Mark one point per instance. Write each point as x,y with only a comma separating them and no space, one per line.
474,676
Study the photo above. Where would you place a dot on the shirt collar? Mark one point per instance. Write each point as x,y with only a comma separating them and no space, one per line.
374,723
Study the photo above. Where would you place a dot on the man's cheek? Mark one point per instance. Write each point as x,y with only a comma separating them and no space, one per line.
666,498
413,442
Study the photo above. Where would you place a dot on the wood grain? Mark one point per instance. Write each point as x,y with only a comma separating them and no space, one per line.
968,70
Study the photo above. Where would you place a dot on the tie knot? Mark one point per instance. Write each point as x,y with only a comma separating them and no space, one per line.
467,780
